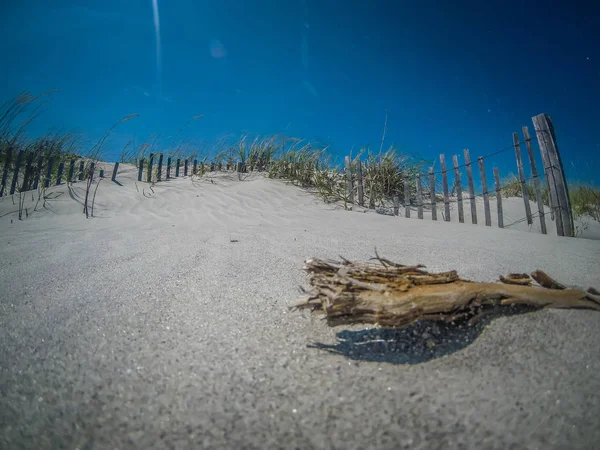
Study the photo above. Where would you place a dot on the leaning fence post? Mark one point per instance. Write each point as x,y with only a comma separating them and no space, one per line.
13,184
445,185
536,181
524,192
48,172
140,169
419,198
471,186
498,198
486,196
359,180
406,196
7,162
61,168
457,184
160,164
559,191
349,186
432,190
149,173
115,170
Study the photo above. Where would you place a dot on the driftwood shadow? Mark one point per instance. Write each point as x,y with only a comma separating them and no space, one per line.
420,342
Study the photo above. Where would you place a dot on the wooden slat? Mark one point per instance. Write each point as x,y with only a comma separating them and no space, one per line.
559,191
471,186
81,170
359,179
160,164
7,161
419,198
185,167
536,181
114,173
49,172
38,172
445,186
195,168
524,192
459,194
150,164
168,167
486,196
349,186
18,163
28,173
498,198
432,191
61,168
406,197
396,205
140,169
177,164
71,171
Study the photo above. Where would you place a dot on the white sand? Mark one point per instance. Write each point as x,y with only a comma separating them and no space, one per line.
163,323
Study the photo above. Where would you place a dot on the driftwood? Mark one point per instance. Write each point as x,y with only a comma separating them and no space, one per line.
393,295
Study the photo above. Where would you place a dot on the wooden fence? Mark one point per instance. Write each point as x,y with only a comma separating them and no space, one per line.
414,193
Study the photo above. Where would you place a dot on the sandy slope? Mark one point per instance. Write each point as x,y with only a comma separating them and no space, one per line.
163,323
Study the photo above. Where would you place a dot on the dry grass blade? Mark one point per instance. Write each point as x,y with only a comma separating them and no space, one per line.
393,295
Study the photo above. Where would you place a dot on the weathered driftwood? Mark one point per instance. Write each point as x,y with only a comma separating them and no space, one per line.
394,295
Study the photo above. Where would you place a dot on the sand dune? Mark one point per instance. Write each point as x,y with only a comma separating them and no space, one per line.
163,322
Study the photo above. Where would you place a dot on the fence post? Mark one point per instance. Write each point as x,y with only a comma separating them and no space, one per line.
177,167
524,192
486,196
471,186
559,191
13,184
168,167
49,172
71,171
195,170
7,162
432,190
115,170
28,170
81,170
396,204
445,185
406,196
185,168
160,164
140,169
457,184
61,168
349,185
536,181
359,179
149,172
498,198
419,198
38,172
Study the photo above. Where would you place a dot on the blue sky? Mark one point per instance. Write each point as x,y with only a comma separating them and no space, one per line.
452,74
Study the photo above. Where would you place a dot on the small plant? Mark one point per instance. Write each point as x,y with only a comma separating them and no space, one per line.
585,200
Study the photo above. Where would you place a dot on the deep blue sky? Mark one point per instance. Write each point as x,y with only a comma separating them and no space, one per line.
452,74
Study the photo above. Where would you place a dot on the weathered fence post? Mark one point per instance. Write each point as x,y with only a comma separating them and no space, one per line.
27,175
559,191
432,191
140,169
457,184
61,168
536,180
185,168
396,204
445,185
498,198
38,172
91,174
49,172
177,167
349,184
149,172
240,167
18,162
81,170
7,161
406,196
419,198
524,192
114,173
71,171
160,164
359,180
486,196
195,170
471,186
168,167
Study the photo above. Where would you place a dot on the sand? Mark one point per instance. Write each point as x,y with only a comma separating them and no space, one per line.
164,323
